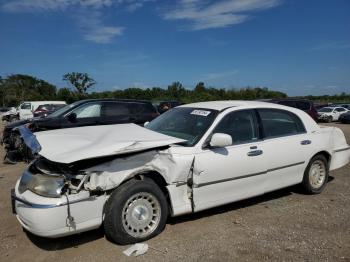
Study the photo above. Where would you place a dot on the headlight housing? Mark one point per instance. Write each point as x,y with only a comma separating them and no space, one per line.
44,185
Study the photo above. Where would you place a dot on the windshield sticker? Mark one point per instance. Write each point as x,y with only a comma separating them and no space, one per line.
200,112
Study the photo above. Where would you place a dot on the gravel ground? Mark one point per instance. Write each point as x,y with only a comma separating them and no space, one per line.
285,225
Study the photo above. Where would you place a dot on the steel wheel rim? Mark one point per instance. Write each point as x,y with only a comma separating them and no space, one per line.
317,174
141,215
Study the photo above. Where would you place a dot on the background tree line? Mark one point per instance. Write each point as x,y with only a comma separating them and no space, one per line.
16,88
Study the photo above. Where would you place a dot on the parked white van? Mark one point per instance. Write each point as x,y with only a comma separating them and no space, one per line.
27,108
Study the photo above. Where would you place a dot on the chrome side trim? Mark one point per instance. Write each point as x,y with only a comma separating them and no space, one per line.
342,149
246,176
228,179
181,183
286,166
34,205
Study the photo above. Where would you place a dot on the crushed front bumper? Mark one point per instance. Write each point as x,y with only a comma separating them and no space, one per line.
51,217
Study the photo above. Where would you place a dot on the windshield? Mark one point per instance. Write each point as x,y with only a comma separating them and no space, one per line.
63,110
326,110
185,123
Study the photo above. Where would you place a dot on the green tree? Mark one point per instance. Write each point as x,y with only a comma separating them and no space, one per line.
81,81
16,88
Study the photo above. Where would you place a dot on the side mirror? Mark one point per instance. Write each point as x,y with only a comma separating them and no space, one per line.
72,117
145,124
220,140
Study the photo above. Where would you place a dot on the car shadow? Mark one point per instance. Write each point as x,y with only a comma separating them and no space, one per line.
279,194
74,241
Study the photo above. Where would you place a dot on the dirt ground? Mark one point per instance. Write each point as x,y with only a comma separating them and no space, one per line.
282,226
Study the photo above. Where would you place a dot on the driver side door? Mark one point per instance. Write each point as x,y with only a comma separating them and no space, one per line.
227,174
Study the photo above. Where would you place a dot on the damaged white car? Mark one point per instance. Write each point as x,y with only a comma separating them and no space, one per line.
197,156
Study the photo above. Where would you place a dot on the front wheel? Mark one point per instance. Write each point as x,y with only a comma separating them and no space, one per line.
136,211
316,175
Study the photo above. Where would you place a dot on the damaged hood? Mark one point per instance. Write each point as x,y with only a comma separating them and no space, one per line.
74,144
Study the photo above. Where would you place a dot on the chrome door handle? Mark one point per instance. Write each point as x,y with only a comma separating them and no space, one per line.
255,153
305,142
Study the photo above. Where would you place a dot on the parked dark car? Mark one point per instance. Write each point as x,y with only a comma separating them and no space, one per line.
345,118
81,113
47,109
4,109
302,104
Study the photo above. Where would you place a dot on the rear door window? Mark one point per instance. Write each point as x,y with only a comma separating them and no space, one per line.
277,123
141,108
115,109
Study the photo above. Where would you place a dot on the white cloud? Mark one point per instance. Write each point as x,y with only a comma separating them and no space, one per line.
339,45
216,14
220,75
103,34
51,5
93,29
88,14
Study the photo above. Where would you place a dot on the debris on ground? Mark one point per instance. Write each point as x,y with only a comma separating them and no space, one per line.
136,250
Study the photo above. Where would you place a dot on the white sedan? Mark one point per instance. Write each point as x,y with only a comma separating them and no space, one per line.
193,157
330,114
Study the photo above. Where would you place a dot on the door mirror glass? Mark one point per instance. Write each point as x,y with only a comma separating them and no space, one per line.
220,140
72,117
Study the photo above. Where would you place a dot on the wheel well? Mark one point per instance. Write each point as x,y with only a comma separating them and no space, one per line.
325,154
159,180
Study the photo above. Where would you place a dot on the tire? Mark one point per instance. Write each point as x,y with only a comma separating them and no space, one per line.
329,119
316,175
127,212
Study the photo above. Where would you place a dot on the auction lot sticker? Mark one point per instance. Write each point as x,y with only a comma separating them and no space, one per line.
200,112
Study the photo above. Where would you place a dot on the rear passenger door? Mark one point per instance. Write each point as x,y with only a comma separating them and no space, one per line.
142,112
287,147
114,112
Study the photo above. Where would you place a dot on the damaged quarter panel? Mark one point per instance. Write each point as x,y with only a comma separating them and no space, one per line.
173,167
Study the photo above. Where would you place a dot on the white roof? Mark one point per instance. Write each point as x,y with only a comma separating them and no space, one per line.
220,105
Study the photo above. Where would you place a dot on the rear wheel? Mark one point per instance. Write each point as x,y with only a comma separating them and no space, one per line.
136,211
316,175
329,119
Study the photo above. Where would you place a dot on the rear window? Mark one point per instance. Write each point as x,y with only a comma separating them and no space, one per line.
278,123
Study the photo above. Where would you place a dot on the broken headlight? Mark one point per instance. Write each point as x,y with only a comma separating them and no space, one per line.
44,185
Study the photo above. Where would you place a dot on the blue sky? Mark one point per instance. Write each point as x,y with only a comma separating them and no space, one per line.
295,46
